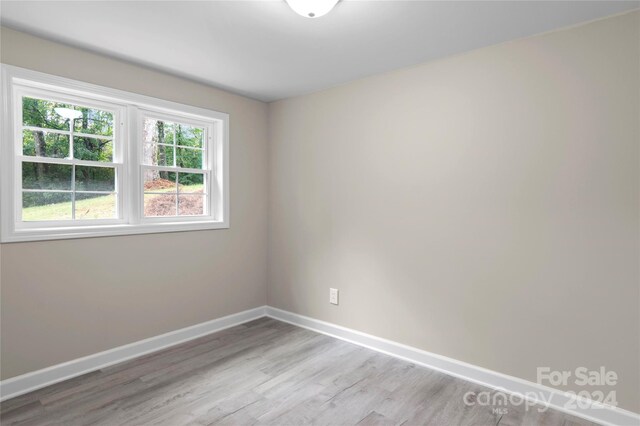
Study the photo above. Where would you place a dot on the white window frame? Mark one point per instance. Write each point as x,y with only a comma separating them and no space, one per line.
208,167
129,110
118,110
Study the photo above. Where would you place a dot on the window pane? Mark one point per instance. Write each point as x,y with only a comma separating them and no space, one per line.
94,121
191,205
92,149
159,181
189,158
190,182
41,113
158,131
40,143
189,136
46,206
95,206
46,176
47,114
160,204
158,155
169,132
95,178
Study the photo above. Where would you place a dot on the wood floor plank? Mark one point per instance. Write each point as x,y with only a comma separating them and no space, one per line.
539,415
376,419
265,372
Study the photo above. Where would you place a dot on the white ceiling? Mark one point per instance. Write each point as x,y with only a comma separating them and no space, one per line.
264,50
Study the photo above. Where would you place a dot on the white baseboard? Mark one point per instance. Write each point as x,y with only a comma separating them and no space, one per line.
25,383
553,398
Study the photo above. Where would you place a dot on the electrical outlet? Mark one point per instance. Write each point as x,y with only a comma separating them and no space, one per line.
333,296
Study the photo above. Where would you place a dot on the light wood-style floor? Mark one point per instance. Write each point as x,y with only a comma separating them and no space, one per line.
265,372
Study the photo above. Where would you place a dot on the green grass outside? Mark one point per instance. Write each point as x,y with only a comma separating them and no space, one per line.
92,208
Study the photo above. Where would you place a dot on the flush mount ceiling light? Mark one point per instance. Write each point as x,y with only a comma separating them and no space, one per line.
312,8
69,113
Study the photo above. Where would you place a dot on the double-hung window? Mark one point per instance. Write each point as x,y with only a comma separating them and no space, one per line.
80,160
175,167
69,169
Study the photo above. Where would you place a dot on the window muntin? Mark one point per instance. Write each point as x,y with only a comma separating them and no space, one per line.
104,161
66,167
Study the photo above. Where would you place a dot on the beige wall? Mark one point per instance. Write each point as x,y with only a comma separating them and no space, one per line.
70,298
483,207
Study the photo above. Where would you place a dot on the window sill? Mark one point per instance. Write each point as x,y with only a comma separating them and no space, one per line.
44,234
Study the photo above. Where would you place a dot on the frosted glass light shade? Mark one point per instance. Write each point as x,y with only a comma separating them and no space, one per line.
312,8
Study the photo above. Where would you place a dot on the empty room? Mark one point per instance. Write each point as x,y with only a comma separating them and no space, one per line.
319,212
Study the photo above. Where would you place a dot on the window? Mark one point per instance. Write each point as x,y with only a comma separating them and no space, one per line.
80,160
69,161
176,168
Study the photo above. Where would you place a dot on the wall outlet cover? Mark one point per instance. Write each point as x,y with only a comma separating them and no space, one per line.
333,296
